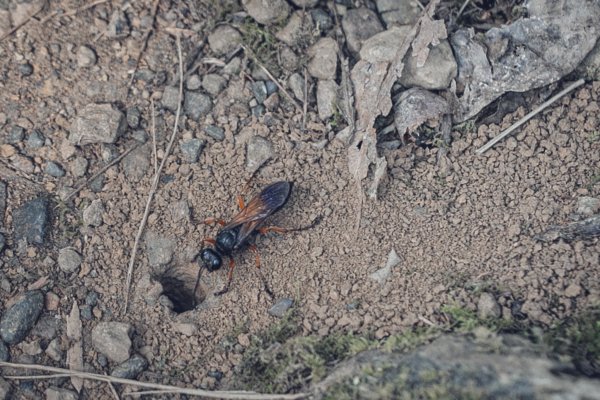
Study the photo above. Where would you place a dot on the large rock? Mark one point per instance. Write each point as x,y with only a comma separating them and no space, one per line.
21,316
383,46
112,340
497,367
398,12
224,39
323,59
98,123
30,221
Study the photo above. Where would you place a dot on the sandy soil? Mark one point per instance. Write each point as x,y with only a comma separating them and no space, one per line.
457,234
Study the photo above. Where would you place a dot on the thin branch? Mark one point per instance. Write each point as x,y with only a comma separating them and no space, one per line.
266,71
100,172
154,152
113,390
425,320
526,118
305,105
156,177
144,46
26,20
462,8
156,386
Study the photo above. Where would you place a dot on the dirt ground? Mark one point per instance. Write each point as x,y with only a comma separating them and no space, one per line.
457,235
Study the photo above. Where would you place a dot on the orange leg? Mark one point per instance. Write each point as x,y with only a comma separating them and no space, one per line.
257,261
229,278
241,203
209,241
277,229
210,221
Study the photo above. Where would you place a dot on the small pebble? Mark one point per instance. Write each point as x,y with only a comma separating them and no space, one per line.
54,393
215,132
79,166
54,169
258,110
86,312
140,136
190,149
35,140
68,259
26,69
193,82
4,353
131,368
21,316
259,90
92,298
271,87
133,117
112,340
86,57
16,134
92,215
280,308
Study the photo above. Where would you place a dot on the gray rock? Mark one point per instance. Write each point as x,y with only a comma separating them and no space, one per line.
280,308
382,274
46,327
289,59
259,90
16,134
498,367
327,94
193,82
258,151
383,46
131,368
97,123
197,105
133,117
54,393
5,387
233,67
181,211
224,39
118,26
92,215
91,299
97,183
159,249
323,59
86,312
296,84
258,110
79,166
271,87
322,20
395,12
299,25
136,164
549,48
3,195
588,205
488,307
26,69
112,340
170,98
359,24
86,57
108,152
35,140
415,107
2,242
21,316
68,259
140,135
267,12
215,132
272,102
54,169
190,149
54,351
4,353
437,72
213,84
30,221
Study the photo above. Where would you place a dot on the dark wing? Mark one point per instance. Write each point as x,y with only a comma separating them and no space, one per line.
271,199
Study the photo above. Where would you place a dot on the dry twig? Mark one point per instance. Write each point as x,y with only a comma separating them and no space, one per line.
61,372
462,8
156,177
532,114
154,152
102,170
144,46
266,71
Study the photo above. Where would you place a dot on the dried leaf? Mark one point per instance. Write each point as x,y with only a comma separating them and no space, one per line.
372,87
75,363
431,32
75,352
74,327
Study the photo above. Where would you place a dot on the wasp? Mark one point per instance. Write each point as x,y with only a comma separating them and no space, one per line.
234,236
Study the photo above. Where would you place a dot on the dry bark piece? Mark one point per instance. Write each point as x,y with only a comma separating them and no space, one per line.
587,229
